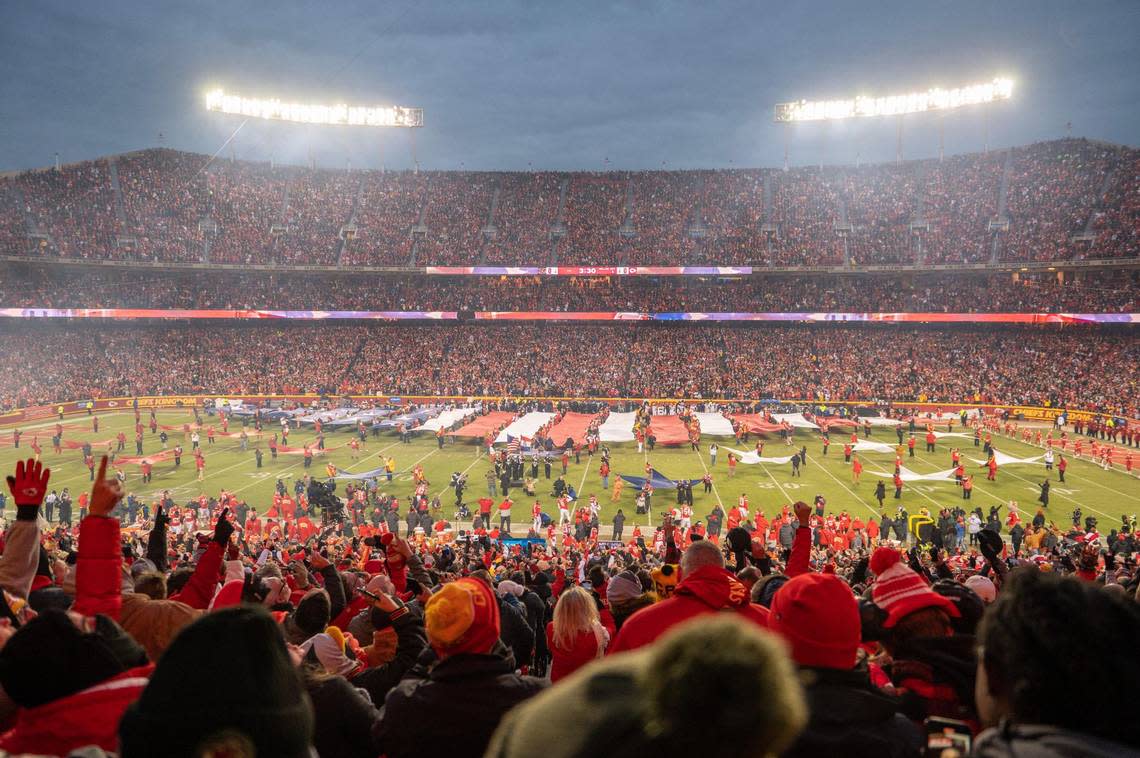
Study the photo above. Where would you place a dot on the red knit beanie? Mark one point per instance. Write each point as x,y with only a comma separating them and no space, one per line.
883,558
900,592
818,616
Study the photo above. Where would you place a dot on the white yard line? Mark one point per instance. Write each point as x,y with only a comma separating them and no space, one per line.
844,486
716,492
778,485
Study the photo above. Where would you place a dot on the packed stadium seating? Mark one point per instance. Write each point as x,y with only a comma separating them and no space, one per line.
65,287
1076,368
1064,200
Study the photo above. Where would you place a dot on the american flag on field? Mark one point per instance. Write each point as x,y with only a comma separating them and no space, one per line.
514,445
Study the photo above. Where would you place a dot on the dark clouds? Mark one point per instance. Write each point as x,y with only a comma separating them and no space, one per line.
556,85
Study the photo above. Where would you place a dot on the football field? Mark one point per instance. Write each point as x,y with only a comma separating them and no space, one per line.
1105,494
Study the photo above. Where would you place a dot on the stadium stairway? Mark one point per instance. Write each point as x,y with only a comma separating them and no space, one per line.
1003,193
489,230
1089,235
419,229
117,189
558,228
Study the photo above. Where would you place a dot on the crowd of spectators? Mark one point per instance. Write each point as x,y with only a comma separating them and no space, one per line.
919,211
74,208
805,211
524,215
62,287
1054,187
1081,367
389,207
960,198
1117,224
320,203
216,626
246,201
164,198
880,206
595,209
458,208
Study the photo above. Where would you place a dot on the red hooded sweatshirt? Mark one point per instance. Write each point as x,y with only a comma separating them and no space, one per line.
709,589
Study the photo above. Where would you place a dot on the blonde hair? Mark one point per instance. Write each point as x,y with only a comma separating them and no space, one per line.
576,612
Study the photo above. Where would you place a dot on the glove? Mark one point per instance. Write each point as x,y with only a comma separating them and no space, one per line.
224,529
28,488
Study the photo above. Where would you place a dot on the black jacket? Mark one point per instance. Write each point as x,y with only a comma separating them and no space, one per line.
515,632
378,681
536,617
849,717
344,717
455,710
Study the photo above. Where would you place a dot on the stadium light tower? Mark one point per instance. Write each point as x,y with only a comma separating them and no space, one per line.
862,106
934,100
338,114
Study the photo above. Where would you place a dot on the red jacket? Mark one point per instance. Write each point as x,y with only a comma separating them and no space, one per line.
89,717
565,662
709,589
98,587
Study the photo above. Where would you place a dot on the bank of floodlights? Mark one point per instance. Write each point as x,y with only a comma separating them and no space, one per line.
862,106
338,114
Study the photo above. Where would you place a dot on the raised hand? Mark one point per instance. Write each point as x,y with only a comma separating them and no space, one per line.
29,485
105,493
803,512
223,529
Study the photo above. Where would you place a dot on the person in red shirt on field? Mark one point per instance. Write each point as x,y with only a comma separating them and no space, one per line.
910,445
505,515
200,464
992,467
536,517
856,470
930,439
847,451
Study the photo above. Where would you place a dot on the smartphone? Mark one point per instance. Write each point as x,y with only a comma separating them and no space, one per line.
368,594
947,734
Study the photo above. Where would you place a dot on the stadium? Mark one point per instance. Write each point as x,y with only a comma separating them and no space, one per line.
884,407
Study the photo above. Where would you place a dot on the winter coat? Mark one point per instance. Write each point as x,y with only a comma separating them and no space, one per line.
101,586
20,557
515,632
1039,741
850,717
343,718
709,589
935,676
455,710
88,717
565,661
378,681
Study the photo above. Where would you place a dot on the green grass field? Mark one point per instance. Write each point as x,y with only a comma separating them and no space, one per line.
1105,494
